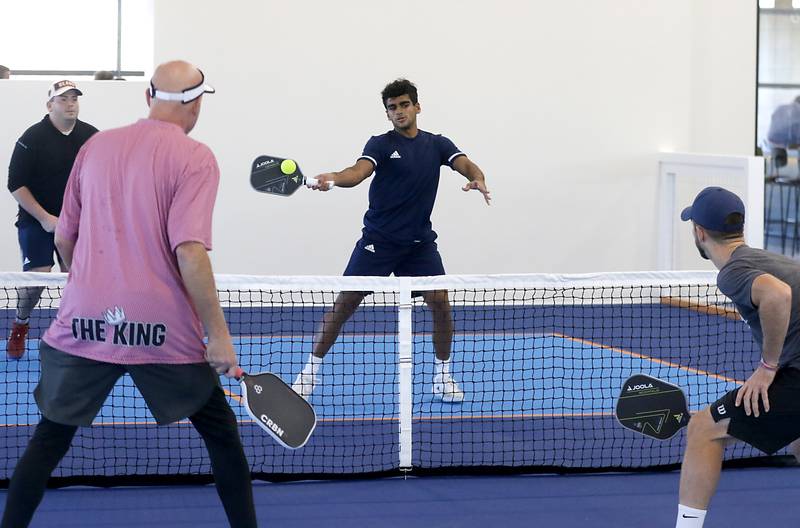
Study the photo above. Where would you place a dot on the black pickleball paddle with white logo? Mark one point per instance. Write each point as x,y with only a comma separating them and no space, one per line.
277,409
652,407
279,176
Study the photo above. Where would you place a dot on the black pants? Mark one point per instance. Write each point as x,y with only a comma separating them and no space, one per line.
215,422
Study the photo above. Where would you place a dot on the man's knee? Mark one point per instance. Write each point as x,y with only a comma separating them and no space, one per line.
437,300
702,427
349,301
794,448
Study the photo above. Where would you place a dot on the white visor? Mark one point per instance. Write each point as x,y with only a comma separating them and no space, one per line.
186,96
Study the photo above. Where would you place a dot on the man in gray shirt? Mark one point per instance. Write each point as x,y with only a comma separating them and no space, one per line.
765,411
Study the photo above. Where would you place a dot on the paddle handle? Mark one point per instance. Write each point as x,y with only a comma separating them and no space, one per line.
310,182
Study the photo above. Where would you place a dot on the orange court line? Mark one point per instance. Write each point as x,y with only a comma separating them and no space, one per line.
706,309
470,417
232,395
511,416
648,358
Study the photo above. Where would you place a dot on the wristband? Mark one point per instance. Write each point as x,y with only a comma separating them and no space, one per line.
767,366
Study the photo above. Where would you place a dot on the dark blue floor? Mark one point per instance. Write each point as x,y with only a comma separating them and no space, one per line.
746,498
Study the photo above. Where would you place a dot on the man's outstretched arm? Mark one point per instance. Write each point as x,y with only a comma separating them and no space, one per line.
349,177
474,174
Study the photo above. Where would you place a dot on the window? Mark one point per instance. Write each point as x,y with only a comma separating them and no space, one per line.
778,62
52,35
778,121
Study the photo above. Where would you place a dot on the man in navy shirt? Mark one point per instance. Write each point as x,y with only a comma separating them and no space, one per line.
37,176
765,411
397,235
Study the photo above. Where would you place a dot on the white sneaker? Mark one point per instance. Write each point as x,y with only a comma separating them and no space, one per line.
446,389
304,384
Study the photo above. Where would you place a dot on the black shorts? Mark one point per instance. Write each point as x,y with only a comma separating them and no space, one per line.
770,431
37,245
72,389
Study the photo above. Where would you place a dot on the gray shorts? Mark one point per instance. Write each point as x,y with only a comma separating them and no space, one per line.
72,389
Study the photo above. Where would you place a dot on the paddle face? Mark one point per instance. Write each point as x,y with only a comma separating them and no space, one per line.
652,407
278,409
271,175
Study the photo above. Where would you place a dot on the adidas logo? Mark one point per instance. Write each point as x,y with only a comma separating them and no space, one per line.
370,248
26,261
395,155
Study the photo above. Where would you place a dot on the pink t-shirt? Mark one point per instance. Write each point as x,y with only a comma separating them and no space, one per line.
135,193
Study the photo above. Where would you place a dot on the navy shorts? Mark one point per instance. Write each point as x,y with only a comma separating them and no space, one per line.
373,258
37,246
770,431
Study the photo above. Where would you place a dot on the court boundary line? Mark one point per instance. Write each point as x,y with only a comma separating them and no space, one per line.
649,358
705,309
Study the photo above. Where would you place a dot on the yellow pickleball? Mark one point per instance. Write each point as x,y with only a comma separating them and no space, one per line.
288,166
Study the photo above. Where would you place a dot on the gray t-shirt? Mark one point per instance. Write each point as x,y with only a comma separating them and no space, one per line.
735,280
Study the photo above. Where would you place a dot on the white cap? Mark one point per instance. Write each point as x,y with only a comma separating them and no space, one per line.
61,87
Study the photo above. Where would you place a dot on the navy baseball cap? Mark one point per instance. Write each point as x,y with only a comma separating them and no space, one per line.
712,206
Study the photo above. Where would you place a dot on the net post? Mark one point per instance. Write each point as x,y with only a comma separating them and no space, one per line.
405,371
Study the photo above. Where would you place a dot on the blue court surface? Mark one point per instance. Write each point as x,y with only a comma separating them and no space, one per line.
495,372
531,400
746,498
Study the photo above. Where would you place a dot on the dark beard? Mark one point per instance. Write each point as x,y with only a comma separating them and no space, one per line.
701,251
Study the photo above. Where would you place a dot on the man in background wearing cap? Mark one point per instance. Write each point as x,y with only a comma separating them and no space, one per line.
134,232
765,411
37,176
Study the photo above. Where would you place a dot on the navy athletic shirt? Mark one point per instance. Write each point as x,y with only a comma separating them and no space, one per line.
403,190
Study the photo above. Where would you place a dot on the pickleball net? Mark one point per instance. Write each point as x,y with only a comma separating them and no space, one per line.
540,359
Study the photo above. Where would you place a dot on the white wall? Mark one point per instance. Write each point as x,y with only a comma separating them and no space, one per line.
563,105
723,76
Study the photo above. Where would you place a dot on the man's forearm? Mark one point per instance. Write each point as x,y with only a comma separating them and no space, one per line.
774,313
195,268
65,248
25,199
475,174
348,177
467,168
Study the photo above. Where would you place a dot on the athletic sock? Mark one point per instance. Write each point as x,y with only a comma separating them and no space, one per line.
441,367
22,321
27,299
313,365
690,517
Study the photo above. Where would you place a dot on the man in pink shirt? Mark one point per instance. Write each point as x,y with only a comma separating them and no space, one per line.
134,232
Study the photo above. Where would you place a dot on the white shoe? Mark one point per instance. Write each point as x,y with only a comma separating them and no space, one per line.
304,384
446,389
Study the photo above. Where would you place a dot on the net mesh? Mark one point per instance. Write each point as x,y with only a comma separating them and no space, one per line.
540,360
